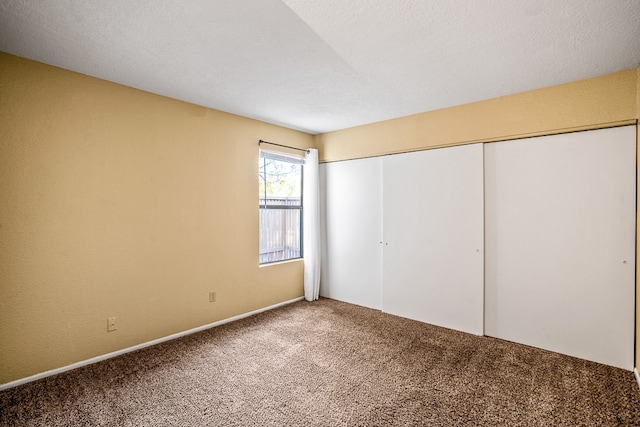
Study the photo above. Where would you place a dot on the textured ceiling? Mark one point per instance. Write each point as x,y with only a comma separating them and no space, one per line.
324,65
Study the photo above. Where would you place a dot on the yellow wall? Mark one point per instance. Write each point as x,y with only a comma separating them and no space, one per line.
586,104
117,202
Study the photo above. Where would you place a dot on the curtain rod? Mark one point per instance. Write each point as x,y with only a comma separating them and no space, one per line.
306,150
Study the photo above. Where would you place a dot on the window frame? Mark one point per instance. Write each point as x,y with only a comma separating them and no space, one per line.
262,200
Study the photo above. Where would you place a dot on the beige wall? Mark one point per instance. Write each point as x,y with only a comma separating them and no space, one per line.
587,104
117,202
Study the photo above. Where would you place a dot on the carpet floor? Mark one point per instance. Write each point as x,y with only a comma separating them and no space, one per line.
329,363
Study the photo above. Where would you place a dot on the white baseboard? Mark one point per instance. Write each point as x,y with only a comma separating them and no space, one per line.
140,346
635,372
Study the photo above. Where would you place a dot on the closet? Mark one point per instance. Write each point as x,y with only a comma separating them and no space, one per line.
560,243
404,234
530,240
351,224
432,267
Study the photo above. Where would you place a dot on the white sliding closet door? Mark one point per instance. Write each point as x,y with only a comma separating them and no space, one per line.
433,234
352,228
560,243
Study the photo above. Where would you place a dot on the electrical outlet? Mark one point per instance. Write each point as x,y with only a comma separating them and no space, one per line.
212,296
111,324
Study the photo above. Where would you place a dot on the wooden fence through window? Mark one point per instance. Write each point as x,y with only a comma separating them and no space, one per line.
280,229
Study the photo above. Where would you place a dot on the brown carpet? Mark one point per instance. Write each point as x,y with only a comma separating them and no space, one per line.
329,363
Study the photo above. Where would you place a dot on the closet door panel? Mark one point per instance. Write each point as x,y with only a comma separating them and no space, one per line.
560,243
352,224
433,236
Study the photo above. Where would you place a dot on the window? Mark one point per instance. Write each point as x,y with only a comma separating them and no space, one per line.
280,179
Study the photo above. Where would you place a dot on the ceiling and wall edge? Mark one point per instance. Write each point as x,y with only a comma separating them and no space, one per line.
286,131
599,102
